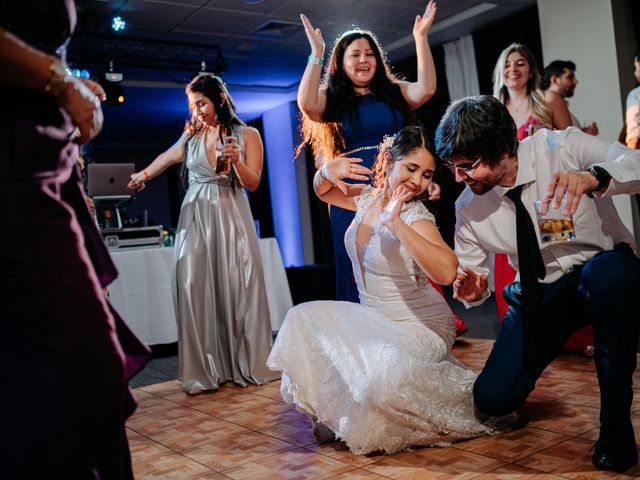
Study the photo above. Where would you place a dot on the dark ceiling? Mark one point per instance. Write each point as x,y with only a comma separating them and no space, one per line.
260,42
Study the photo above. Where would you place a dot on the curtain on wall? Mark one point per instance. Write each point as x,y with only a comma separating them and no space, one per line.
460,65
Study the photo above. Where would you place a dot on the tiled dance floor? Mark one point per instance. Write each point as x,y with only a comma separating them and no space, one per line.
249,433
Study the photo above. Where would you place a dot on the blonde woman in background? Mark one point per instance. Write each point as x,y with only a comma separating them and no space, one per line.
516,83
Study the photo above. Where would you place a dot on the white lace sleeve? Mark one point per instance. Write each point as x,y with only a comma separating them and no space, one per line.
364,199
414,212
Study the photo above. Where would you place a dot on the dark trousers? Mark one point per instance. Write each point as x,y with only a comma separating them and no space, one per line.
603,293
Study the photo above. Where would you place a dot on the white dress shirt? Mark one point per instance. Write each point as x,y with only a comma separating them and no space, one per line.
487,224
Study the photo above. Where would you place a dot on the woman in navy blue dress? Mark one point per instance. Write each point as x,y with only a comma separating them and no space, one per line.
358,102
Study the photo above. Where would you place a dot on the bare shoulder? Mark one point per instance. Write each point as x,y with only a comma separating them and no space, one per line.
251,136
553,98
250,132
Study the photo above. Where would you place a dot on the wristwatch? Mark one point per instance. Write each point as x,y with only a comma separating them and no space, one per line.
602,176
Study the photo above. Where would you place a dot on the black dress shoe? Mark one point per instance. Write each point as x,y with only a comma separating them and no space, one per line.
615,453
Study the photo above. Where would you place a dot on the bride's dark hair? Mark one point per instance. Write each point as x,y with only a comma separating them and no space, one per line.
394,147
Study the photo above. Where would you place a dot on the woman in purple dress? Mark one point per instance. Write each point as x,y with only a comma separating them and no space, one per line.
66,355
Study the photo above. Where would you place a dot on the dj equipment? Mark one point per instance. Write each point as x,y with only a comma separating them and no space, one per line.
132,237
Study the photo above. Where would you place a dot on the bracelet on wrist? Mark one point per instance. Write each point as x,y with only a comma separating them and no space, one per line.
313,60
145,175
60,77
323,173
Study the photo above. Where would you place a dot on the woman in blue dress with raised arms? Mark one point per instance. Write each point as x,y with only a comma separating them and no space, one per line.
357,103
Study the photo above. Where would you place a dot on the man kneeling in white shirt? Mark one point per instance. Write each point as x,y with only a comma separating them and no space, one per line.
562,285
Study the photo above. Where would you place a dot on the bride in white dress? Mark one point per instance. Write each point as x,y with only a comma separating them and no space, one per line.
379,374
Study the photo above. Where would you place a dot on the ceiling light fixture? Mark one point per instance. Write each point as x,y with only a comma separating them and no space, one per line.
112,84
118,24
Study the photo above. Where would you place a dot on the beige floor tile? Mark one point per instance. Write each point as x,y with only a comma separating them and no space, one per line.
340,451
161,389
292,464
434,463
560,416
516,472
173,467
236,449
358,474
183,437
572,459
170,418
511,446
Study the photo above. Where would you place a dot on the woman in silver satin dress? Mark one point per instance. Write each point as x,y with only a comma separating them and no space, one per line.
219,292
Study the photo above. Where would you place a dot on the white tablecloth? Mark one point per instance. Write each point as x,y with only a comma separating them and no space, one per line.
142,291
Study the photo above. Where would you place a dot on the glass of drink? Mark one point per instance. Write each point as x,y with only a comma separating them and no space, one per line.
554,226
223,164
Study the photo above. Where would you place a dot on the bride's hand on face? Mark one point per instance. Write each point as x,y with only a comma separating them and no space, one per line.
423,23
337,169
390,215
314,35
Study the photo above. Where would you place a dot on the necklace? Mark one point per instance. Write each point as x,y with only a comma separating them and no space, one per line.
359,149
519,111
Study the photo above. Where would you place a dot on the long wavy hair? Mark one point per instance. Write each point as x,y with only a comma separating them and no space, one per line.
394,148
211,87
536,97
326,137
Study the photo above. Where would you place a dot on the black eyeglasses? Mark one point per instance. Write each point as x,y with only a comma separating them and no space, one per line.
465,169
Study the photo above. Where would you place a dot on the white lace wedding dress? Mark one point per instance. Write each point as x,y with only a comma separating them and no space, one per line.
379,373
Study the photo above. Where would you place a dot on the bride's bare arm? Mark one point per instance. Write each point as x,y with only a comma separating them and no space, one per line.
422,239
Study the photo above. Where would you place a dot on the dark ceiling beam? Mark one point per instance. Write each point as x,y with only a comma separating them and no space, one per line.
147,53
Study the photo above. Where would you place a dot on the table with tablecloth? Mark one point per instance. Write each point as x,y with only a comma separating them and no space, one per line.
142,292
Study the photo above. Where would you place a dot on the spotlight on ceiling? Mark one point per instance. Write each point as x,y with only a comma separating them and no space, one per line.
112,84
118,24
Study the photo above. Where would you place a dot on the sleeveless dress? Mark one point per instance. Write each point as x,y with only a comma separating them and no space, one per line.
68,356
224,329
379,374
376,119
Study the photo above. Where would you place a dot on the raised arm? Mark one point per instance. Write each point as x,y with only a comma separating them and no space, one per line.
311,99
328,184
422,239
250,171
30,68
418,92
175,154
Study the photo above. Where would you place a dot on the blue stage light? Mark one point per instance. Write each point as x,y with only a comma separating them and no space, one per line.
85,74
118,24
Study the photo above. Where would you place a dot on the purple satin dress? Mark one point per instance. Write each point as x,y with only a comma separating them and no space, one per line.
66,355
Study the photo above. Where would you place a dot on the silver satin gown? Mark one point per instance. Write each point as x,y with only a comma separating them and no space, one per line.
224,329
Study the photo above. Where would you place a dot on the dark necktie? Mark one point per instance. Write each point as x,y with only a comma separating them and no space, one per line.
531,267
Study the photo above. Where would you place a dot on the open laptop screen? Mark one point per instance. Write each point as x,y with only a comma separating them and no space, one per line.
109,179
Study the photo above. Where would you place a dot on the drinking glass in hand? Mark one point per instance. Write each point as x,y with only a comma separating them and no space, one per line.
223,163
554,225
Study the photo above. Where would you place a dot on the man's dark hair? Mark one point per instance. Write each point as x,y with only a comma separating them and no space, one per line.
555,68
476,127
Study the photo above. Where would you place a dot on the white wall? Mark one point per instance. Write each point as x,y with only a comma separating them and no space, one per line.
585,32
